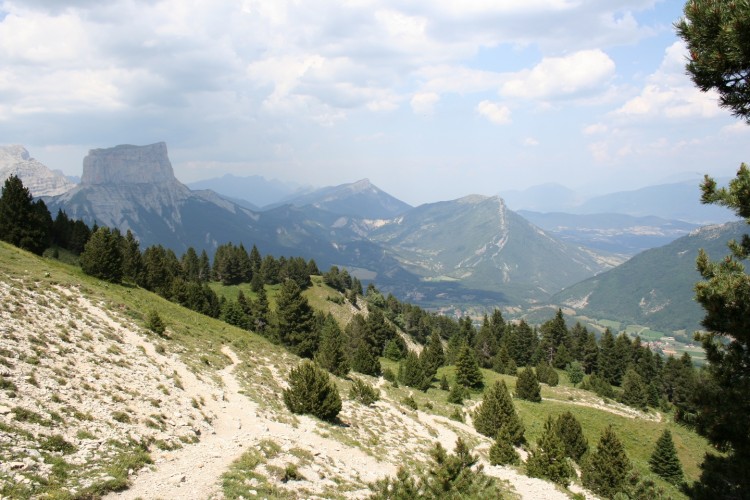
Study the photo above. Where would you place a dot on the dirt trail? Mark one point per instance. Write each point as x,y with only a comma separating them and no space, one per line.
195,470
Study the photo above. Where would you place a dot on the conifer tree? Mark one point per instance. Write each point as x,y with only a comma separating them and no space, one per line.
605,472
527,386
331,354
131,257
204,268
547,460
502,451
468,373
102,255
497,411
664,461
261,312
155,323
395,350
311,391
295,320
571,433
432,355
363,360
23,222
634,390
410,371
457,394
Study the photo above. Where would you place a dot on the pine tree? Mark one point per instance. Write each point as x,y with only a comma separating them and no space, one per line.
571,433
634,390
131,257
606,470
394,350
502,451
468,373
497,411
295,320
23,222
410,372
527,386
664,461
548,460
102,256
155,323
261,312
331,355
457,394
432,355
311,391
364,362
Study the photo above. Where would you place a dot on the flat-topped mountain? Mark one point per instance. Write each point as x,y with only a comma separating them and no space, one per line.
41,181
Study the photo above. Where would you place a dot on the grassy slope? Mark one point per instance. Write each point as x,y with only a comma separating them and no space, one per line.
197,339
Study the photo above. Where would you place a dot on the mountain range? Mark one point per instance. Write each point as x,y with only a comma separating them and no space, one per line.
473,251
655,287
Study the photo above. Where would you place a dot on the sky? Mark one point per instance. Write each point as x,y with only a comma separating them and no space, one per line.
431,100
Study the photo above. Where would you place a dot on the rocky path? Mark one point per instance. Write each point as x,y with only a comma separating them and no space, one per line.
195,470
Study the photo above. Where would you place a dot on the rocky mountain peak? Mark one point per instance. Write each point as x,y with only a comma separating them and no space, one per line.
127,164
41,181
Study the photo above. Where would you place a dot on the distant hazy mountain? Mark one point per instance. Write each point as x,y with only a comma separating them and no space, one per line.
480,243
40,180
617,233
357,199
252,191
548,197
467,251
670,201
654,288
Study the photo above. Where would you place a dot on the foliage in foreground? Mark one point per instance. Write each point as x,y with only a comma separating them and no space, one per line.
451,476
312,392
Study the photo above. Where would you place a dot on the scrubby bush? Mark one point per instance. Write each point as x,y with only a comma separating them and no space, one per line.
312,392
363,392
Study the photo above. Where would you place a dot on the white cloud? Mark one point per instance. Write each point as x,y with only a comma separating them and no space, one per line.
530,142
585,71
423,103
497,113
669,93
595,129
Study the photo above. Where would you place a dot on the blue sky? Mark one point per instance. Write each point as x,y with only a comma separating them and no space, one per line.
430,100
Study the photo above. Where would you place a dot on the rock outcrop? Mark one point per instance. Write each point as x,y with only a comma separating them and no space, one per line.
127,164
40,180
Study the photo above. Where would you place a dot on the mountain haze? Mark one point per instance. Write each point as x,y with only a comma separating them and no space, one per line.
41,181
654,288
478,241
357,199
467,251
618,233
254,189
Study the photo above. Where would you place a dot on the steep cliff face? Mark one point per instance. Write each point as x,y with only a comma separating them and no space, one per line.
124,185
126,164
41,181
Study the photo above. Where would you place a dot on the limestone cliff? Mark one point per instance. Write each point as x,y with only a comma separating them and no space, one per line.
126,164
41,181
